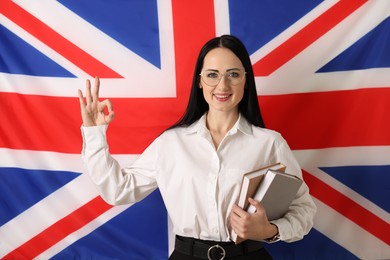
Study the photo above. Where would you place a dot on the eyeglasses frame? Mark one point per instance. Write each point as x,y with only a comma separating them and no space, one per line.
222,75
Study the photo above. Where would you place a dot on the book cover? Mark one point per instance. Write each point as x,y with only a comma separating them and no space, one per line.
276,192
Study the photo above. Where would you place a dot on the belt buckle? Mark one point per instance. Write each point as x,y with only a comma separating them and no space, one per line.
223,252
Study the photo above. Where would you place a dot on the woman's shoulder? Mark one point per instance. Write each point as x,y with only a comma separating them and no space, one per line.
271,135
194,127
173,132
260,131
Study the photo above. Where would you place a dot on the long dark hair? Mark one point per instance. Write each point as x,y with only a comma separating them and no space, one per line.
248,106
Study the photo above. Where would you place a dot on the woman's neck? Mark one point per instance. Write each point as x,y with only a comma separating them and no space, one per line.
219,124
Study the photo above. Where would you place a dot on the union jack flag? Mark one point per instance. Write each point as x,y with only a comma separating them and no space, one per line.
323,77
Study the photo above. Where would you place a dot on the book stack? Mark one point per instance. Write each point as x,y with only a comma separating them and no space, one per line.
272,187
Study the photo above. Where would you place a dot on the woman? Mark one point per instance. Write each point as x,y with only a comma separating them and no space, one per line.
198,163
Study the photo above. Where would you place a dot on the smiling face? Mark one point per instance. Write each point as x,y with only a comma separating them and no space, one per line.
228,92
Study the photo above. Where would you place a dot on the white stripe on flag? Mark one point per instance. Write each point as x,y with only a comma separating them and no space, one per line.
85,230
292,30
311,160
52,161
349,235
222,17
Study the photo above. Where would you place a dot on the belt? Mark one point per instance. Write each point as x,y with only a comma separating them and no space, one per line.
206,249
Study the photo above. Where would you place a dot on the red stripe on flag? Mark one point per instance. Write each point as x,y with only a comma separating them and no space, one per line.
305,37
307,121
53,123
330,119
56,41
59,230
348,208
192,29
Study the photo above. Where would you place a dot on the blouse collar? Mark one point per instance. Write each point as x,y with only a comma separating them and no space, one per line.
200,127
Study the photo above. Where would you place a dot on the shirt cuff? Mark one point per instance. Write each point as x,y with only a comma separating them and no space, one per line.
94,136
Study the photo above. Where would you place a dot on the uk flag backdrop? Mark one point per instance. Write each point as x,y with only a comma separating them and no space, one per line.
323,77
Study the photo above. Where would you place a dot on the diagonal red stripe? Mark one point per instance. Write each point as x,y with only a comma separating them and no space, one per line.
56,41
305,37
348,208
60,230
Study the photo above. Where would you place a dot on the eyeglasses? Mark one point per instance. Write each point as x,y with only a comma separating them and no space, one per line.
213,77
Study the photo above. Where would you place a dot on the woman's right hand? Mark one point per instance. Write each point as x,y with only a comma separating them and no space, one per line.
92,110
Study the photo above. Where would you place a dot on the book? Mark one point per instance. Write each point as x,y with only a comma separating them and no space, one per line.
251,181
249,184
276,192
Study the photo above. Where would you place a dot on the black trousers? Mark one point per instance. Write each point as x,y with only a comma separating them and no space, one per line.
256,255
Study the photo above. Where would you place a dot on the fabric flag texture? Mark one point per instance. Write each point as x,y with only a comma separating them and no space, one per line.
323,78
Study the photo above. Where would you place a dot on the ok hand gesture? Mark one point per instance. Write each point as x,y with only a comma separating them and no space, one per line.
92,110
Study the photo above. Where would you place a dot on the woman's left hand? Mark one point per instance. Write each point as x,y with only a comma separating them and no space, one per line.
254,226
92,110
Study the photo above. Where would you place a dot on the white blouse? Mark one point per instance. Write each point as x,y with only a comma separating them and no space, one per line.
198,183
